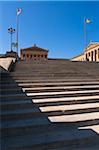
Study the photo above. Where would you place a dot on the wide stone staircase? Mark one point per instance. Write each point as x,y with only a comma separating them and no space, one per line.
50,105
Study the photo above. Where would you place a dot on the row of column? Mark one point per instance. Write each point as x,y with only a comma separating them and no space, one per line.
92,56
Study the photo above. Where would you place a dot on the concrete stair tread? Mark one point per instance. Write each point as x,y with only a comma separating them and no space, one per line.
60,93
69,107
60,87
58,83
54,80
93,127
80,98
75,117
33,140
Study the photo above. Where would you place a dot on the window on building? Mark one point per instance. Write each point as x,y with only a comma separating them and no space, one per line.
30,56
38,55
45,56
42,55
34,55
27,55
89,54
23,55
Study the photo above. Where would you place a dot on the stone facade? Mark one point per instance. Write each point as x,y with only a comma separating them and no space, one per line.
11,54
33,53
80,57
91,53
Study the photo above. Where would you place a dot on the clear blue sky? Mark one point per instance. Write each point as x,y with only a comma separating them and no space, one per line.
57,26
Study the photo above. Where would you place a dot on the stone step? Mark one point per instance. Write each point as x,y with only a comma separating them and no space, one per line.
9,86
60,93
30,88
13,97
64,99
55,80
75,117
93,127
6,91
7,81
55,83
50,140
14,89
20,113
36,122
44,128
64,108
58,84
61,75
10,105
23,123
28,85
52,76
49,110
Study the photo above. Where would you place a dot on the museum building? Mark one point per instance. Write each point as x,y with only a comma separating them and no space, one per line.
91,53
33,53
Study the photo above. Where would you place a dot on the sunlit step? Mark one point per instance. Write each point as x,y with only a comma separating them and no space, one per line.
61,87
57,83
55,80
93,127
69,107
66,92
75,118
80,98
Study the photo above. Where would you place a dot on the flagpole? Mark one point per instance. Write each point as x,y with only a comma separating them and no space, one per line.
17,26
85,43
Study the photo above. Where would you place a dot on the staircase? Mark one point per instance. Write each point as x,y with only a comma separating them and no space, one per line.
50,105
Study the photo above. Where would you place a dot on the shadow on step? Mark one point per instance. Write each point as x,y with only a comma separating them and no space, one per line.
25,127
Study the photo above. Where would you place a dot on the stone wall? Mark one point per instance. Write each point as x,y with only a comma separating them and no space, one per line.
6,62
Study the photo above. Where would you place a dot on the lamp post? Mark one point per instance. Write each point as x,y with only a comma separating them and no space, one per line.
11,31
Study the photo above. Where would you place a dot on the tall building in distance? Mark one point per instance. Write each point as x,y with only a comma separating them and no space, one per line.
91,53
33,53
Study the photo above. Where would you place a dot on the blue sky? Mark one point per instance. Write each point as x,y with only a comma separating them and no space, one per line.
57,26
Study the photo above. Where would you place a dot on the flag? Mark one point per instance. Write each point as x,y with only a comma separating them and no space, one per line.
19,11
87,21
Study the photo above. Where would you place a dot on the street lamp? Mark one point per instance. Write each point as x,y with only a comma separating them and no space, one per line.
11,31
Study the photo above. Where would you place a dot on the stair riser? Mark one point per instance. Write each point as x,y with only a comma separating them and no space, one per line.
66,102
